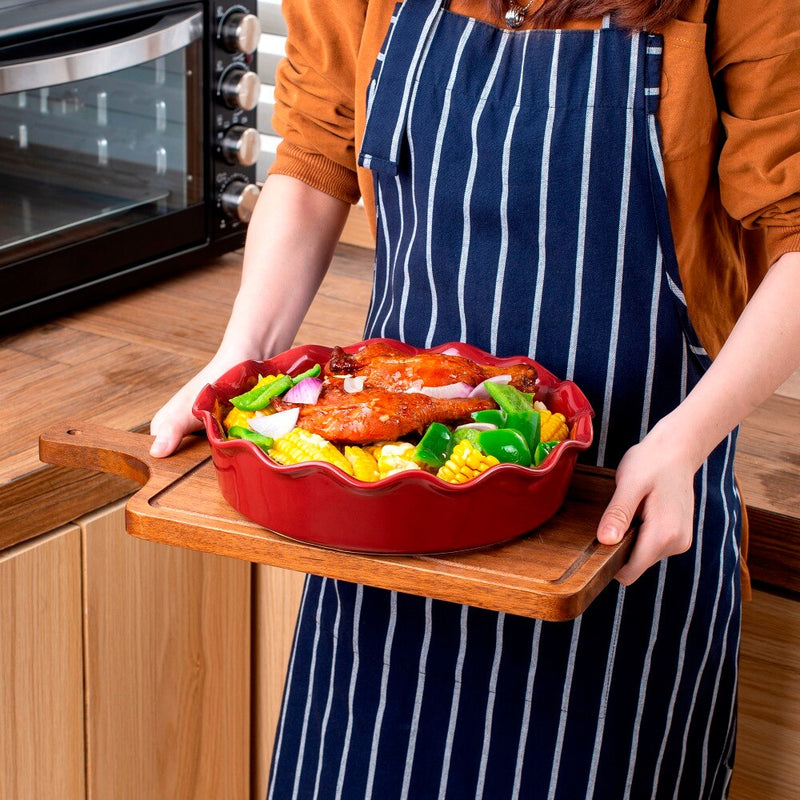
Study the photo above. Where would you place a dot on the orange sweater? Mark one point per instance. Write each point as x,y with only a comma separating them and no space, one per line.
729,115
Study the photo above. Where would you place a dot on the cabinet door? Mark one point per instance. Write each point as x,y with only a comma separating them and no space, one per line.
167,668
277,600
768,740
41,669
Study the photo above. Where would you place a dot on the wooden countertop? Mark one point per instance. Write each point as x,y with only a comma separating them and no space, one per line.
116,363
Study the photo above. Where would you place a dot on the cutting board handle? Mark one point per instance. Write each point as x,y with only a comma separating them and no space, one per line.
96,447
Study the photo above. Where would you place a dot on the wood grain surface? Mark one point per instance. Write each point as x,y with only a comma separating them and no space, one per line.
41,669
167,662
552,573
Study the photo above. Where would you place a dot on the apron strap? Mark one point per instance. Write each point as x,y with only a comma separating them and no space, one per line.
389,93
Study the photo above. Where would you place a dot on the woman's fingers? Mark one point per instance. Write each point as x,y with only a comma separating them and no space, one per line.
657,492
174,421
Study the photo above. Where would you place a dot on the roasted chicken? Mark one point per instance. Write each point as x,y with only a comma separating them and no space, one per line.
375,415
385,367
389,404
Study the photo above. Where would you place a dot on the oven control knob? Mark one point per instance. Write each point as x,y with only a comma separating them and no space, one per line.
241,145
238,199
240,32
240,88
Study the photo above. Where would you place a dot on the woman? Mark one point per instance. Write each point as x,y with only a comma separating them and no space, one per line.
550,184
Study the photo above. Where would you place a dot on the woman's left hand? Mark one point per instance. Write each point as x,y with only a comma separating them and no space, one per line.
655,489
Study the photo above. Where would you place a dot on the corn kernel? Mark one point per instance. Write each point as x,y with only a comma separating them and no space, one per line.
465,463
365,467
237,417
300,445
553,426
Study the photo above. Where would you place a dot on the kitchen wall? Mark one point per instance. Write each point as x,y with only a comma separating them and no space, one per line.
270,51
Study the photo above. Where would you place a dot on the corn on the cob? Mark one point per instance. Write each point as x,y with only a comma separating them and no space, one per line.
553,426
395,457
300,445
465,463
237,417
365,467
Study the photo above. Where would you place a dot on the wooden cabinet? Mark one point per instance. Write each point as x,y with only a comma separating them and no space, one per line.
124,668
41,668
276,600
167,643
768,748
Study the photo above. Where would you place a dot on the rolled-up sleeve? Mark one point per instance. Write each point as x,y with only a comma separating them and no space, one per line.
315,95
756,64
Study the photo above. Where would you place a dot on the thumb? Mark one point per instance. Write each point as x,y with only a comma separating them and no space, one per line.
618,516
168,437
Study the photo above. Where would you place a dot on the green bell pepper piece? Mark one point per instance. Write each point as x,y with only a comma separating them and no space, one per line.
519,411
494,416
543,449
309,373
528,423
435,445
466,433
507,445
240,432
509,398
258,398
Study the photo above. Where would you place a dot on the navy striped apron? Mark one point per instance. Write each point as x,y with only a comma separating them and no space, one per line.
522,208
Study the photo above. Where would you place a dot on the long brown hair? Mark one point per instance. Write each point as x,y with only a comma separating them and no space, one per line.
635,14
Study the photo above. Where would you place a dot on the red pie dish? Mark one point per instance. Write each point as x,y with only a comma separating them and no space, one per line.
409,512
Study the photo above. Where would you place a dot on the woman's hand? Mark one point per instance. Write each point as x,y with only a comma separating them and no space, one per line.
174,419
654,489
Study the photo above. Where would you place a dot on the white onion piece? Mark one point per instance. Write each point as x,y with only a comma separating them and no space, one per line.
477,426
277,424
352,385
306,391
451,351
414,388
480,389
451,391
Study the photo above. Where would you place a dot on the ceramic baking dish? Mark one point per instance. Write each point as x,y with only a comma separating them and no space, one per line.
407,513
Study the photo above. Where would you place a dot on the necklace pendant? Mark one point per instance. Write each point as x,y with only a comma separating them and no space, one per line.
514,16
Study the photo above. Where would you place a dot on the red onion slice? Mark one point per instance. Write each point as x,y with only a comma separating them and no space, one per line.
480,389
275,425
307,391
451,391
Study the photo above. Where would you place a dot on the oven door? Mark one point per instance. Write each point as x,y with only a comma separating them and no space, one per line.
101,153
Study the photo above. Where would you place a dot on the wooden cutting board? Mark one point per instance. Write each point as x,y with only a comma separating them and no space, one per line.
551,573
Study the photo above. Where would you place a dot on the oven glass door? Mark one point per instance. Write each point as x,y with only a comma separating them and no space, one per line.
101,131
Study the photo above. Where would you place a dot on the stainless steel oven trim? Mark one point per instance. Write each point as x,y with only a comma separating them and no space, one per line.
171,32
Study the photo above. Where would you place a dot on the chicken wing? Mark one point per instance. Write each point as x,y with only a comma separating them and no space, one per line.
385,367
375,415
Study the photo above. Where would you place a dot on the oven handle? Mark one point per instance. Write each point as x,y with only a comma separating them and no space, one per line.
172,32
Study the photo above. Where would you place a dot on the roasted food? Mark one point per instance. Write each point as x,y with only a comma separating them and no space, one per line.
375,415
385,367
359,410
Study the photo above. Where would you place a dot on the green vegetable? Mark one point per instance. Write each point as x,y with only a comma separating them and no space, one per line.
466,433
240,432
309,373
528,423
520,414
543,449
509,398
259,397
508,446
494,416
435,446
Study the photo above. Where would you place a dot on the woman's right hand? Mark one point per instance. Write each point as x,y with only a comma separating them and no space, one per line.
174,419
